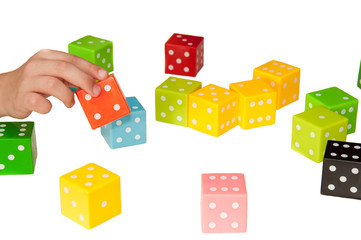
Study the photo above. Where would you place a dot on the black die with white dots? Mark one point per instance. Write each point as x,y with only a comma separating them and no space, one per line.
341,175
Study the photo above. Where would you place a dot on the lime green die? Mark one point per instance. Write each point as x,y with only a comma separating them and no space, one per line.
336,100
96,50
171,100
17,148
313,128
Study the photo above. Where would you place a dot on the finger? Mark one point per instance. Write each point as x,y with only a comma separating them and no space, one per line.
90,68
51,86
67,71
37,103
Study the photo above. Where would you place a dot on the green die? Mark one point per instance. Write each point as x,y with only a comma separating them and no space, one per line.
171,100
96,50
359,77
17,148
336,100
313,128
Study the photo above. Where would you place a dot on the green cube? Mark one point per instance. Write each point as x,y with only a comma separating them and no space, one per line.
17,148
171,100
96,50
336,100
313,128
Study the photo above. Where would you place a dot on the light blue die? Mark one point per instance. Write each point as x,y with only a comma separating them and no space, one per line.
129,130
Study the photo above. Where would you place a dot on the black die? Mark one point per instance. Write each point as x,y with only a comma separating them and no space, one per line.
341,175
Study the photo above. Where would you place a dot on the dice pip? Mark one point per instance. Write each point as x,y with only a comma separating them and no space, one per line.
224,203
90,195
336,100
341,174
283,78
109,106
129,130
184,54
257,103
18,150
96,50
313,128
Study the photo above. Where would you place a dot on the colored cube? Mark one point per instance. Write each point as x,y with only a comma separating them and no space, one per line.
90,195
336,100
224,203
283,78
18,149
129,130
213,110
341,170
313,128
109,106
96,50
184,54
171,100
257,103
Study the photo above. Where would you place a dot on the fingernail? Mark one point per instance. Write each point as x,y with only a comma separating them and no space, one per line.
102,74
96,90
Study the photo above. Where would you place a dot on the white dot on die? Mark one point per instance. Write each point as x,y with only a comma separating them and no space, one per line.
212,225
90,168
194,122
251,121
252,104
11,157
209,127
171,108
234,225
170,67
313,134
116,107
97,116
89,176
223,215
298,127
66,190
88,97
128,130
212,205
186,69
327,134
332,168
105,175
170,52
343,179
353,189
107,88
179,118
21,148
209,110
212,177
224,189
2,166
341,129
178,60
81,217
297,144
88,184
179,101
104,203
331,187
186,54
118,122
73,203
235,205
310,152
213,189
73,176
354,170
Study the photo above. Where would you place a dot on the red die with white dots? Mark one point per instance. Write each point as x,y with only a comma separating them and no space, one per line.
224,203
184,55
109,106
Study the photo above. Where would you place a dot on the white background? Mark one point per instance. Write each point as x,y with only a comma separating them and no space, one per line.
161,179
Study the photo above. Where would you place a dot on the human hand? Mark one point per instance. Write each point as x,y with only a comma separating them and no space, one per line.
47,73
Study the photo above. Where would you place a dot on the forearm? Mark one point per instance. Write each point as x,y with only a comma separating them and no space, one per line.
4,92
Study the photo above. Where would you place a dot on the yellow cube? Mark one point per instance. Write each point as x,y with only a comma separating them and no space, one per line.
283,78
90,195
257,103
213,110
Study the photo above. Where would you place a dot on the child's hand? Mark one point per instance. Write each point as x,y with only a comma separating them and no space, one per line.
47,73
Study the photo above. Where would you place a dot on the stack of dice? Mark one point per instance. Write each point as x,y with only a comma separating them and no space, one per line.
215,110
122,120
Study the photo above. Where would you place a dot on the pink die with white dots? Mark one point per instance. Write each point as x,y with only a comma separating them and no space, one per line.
184,54
224,203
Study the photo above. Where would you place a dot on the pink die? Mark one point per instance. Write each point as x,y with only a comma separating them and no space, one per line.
224,203
184,54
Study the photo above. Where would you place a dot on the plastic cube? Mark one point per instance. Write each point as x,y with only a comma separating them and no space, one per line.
90,195
18,149
313,128
213,110
171,100
129,130
96,50
283,78
336,100
109,106
184,54
224,203
257,103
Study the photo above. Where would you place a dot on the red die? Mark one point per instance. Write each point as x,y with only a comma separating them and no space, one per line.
109,106
184,55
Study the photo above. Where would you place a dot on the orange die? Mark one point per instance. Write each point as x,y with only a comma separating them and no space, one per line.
109,106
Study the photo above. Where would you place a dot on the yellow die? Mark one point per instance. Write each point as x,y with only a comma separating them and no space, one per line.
90,195
257,103
283,78
213,110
